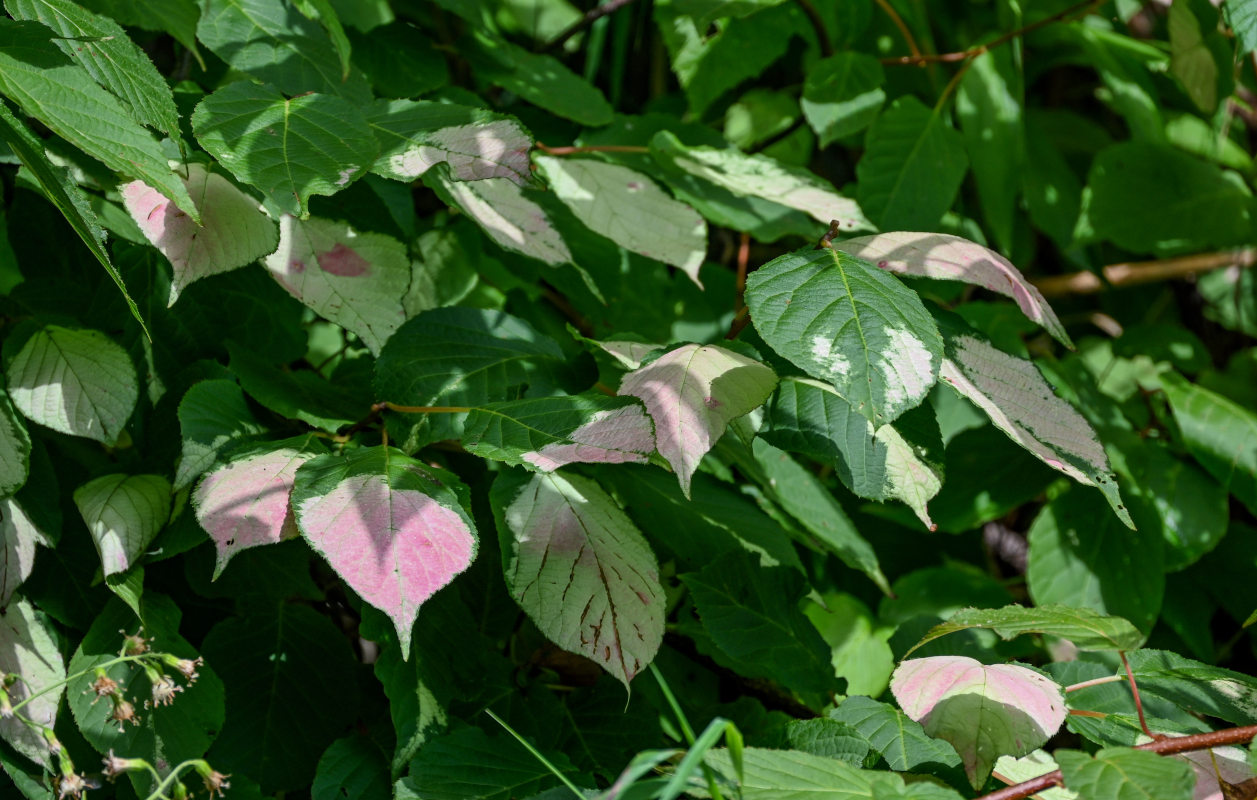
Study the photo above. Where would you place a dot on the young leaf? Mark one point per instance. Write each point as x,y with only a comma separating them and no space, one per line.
1220,434
18,536
244,503
62,95
28,647
123,513
416,135
941,255
233,232
580,569
213,417
74,381
846,322
630,210
290,149
1122,772
983,711
356,280
842,95
692,393
392,528
549,432
912,167
901,741
1086,629
1022,404
506,214
15,448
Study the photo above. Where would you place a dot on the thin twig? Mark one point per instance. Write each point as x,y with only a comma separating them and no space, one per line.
1139,703
591,16
1136,272
422,409
593,148
918,57
744,258
822,35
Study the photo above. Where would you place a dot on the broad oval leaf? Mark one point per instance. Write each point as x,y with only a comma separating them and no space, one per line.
1087,629
846,322
29,648
390,526
549,432
580,569
290,149
983,711
629,209
1022,404
123,513
1220,434
1124,772
244,503
18,536
233,232
416,135
74,381
842,94
15,448
941,255
356,280
506,214
693,393
213,417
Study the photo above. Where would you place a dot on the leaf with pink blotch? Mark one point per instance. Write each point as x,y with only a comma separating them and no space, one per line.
983,711
244,502
393,528
580,569
233,233
693,393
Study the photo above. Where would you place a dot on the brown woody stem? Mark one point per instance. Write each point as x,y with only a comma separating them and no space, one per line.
1137,272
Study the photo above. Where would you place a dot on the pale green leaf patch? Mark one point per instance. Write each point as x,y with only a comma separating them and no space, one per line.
29,647
503,211
416,135
123,513
18,536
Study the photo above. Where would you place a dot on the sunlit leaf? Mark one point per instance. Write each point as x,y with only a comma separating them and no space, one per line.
213,417
1087,629
842,95
123,513
1219,433
504,212
29,648
18,536
416,135
1123,772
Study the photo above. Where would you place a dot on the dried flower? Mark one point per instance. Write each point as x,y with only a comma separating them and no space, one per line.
71,785
186,667
133,644
215,783
104,686
115,765
164,690
124,712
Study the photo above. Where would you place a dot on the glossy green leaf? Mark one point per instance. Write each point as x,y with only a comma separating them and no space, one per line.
124,514
290,149
842,95
1221,435
1125,773
912,167
550,432
1084,627
324,13
416,135
846,322
213,417
1241,15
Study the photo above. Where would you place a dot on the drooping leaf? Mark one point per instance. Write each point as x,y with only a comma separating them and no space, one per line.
244,502
124,514
1220,434
29,648
15,448
912,167
416,135
630,210
503,211
1087,629
1022,404
844,321
763,177
901,741
1123,772
581,570
842,95
983,711
233,232
356,280
941,255
692,393
213,417
18,536
549,432
74,381
290,149
538,78
48,86
391,527
272,41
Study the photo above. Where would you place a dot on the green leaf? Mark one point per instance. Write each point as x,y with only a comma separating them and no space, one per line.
912,167
15,448
580,569
324,13
842,95
792,775
1220,434
629,209
29,649
416,135
1131,207
353,768
705,12
291,687
176,17
989,106
504,211
315,144
299,394
844,321
902,742
1195,687
276,44
74,381
1082,557
1124,773
540,79
752,615
1191,60
802,495
1084,627
829,738
48,86
1053,191
1241,15
124,514
19,534
859,650
213,417
467,764
550,432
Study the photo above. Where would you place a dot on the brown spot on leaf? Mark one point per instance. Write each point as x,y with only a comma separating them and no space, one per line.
344,261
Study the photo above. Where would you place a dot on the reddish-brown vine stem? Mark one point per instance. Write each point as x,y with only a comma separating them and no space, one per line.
917,56
1139,703
593,15
920,58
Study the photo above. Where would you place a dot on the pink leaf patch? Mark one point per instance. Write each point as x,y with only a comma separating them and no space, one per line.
356,280
388,525
581,570
693,393
983,711
234,230
244,503
941,255
623,435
